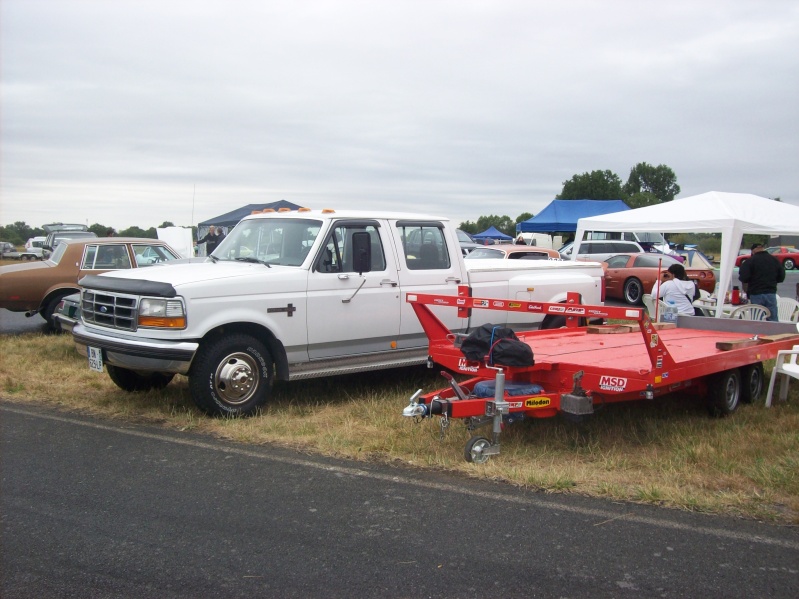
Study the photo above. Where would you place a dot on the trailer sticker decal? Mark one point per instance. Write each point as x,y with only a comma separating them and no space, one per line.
515,405
653,340
499,304
612,383
537,402
464,366
480,303
514,305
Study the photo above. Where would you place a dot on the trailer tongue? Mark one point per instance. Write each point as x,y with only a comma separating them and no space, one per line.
581,366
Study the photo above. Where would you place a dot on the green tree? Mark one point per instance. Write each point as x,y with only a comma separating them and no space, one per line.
641,199
596,185
135,231
659,181
524,216
100,230
166,224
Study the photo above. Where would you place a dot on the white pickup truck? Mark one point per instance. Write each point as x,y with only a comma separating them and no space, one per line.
300,294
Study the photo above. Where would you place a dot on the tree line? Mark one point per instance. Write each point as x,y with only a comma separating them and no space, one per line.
646,185
19,232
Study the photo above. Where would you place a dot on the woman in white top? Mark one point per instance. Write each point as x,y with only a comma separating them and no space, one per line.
675,287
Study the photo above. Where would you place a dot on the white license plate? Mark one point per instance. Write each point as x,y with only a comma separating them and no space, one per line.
95,358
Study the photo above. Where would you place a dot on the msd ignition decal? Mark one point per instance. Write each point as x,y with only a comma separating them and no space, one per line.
612,383
464,366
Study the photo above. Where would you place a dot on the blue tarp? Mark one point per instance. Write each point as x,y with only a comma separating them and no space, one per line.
562,215
491,233
231,219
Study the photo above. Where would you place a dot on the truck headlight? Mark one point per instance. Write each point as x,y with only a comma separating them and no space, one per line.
161,313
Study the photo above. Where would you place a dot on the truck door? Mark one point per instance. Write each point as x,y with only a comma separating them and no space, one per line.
351,312
429,262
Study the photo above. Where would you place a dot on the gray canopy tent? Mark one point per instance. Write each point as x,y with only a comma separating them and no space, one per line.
731,214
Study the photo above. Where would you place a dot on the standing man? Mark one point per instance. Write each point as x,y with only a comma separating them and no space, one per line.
760,275
212,239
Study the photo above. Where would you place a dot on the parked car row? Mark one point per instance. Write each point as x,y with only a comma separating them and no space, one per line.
788,256
38,287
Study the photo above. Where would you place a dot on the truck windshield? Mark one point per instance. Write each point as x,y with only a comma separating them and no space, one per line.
284,241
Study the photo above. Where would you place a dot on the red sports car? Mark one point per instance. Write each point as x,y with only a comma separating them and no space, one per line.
787,255
629,276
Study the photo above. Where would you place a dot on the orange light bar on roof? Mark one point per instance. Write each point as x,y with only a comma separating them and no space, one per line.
284,210
268,210
303,209
328,211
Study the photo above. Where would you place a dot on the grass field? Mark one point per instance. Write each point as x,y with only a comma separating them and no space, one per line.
666,452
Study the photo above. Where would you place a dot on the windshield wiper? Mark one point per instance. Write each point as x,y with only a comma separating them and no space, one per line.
253,260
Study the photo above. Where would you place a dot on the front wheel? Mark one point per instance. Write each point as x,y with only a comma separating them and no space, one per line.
725,393
231,376
132,381
633,291
474,450
788,264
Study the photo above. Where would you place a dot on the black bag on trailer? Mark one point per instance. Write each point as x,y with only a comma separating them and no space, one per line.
496,345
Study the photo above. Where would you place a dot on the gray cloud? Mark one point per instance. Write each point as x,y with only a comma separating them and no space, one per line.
139,112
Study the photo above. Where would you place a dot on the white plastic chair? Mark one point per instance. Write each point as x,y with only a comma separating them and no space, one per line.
649,304
788,310
750,312
785,367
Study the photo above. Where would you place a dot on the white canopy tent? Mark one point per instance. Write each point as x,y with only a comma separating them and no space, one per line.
731,214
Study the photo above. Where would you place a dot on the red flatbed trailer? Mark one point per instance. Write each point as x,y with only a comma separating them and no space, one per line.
579,367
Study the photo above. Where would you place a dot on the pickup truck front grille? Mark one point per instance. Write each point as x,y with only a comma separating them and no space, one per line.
110,310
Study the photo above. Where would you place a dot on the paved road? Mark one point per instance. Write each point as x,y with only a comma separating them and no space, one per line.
92,508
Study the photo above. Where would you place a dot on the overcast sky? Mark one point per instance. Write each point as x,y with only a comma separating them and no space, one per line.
132,112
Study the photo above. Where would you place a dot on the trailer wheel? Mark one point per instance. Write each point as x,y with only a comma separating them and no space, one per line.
474,450
131,381
751,382
231,376
633,291
725,392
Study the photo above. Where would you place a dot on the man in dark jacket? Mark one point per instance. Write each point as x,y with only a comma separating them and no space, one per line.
760,275
212,239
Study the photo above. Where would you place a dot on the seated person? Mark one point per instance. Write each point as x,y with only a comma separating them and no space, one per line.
675,287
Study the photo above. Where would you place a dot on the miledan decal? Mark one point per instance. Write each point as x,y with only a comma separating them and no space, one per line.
612,383
537,402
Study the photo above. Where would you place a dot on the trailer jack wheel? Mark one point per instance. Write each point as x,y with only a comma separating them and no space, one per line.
475,450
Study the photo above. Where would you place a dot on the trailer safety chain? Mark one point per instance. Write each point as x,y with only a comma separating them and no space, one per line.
444,425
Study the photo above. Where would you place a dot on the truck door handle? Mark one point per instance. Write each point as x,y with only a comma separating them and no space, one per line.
388,282
453,280
343,276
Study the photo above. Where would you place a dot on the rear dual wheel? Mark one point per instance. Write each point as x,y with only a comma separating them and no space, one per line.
731,387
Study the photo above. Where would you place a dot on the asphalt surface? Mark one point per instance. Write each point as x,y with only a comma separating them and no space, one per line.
92,508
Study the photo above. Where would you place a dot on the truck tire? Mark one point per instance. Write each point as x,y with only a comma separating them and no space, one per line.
231,376
129,380
724,392
751,382
633,291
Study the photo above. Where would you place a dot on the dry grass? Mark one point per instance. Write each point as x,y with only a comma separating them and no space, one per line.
667,452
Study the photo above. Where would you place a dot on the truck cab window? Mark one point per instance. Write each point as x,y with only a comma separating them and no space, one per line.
424,247
336,254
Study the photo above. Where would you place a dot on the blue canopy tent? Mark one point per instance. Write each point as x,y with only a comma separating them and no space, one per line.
492,233
562,215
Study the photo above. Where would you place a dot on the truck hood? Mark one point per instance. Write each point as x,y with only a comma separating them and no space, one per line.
220,279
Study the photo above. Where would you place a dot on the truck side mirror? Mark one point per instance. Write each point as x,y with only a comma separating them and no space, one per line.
361,252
